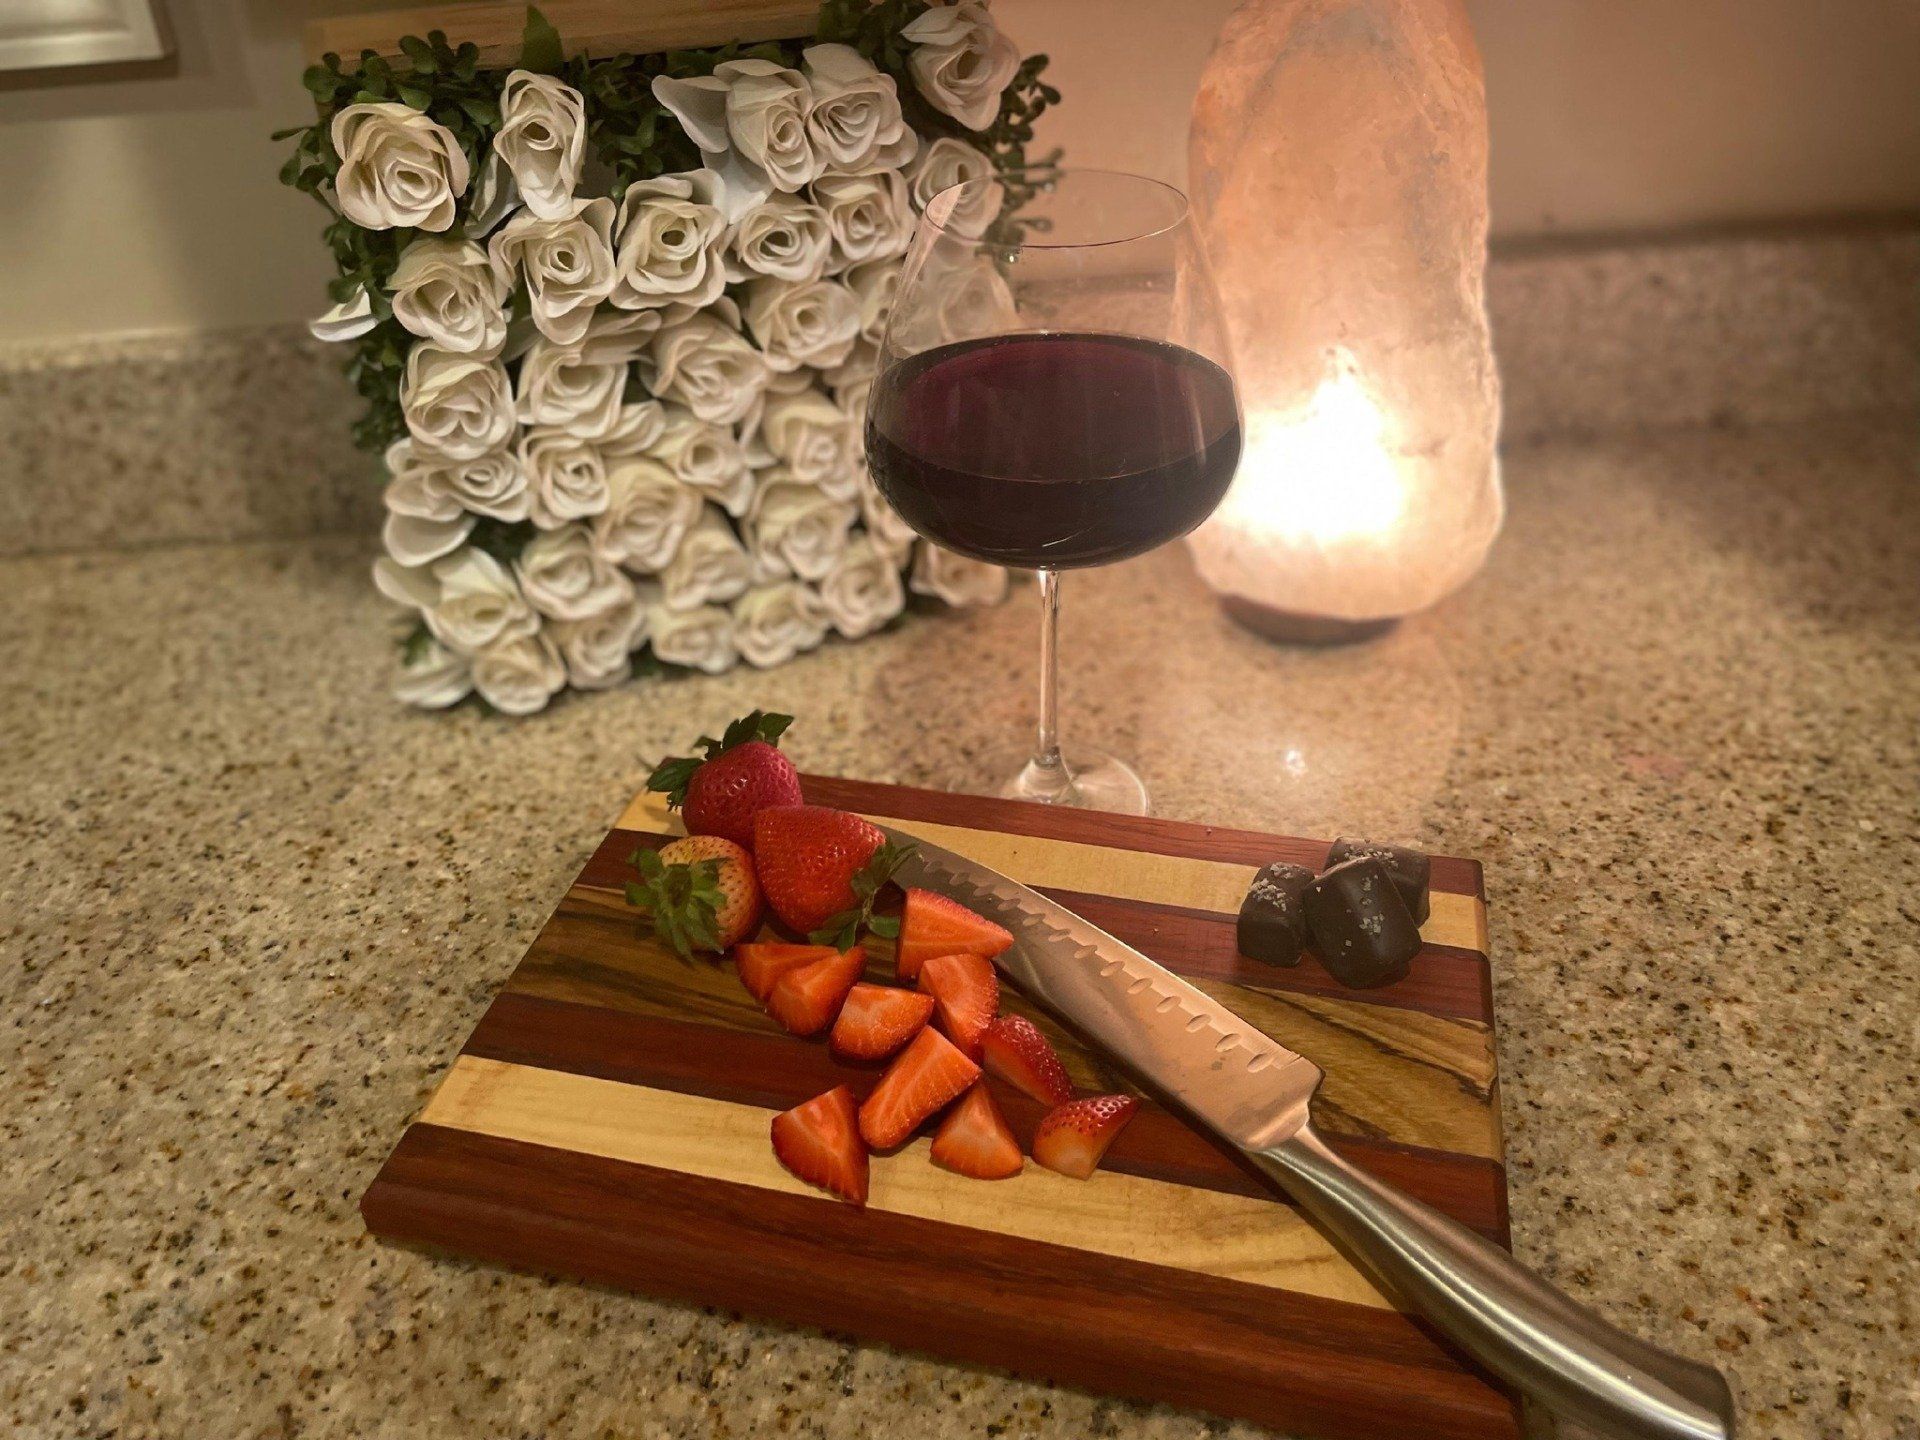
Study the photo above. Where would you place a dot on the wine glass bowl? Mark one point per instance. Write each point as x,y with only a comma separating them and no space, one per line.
1053,392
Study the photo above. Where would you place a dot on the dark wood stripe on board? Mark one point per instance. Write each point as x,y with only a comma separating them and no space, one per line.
1397,1075
1089,827
774,1071
1443,980
1278,1359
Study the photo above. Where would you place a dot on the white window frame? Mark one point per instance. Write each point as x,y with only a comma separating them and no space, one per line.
119,31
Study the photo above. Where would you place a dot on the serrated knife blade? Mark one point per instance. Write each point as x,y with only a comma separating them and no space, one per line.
1254,1094
1237,1081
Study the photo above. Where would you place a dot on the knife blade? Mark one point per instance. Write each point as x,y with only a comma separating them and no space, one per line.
1254,1093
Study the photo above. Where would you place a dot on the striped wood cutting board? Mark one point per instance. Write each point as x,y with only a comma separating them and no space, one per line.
608,1119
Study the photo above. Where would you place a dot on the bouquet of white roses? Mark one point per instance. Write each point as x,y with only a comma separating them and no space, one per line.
615,321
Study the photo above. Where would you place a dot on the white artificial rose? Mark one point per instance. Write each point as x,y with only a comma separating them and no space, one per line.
961,62
493,484
456,406
704,364
948,162
432,677
636,429
566,475
883,522
701,638
543,140
867,214
858,368
494,197
564,575
814,322
424,521
468,600
446,291
707,457
852,397
561,385
862,591
958,580
598,651
519,676
796,528
786,238
875,285
855,123
649,512
670,238
567,261
815,439
709,566
773,623
398,169
955,300
354,317
618,337
749,119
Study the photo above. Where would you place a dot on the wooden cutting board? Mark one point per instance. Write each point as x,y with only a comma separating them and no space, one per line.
608,1119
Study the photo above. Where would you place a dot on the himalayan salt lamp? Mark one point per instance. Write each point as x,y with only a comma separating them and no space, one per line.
1338,166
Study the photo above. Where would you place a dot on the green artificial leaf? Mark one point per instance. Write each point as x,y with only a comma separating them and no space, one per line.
420,52
481,112
413,96
540,48
843,930
682,900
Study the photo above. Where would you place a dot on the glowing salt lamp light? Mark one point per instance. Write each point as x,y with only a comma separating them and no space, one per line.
1338,166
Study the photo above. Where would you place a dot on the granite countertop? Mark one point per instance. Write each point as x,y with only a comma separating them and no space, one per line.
252,909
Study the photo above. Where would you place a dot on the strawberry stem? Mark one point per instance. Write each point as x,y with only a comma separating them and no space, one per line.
683,901
843,930
672,775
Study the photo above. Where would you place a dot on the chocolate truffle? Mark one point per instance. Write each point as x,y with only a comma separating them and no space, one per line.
1410,870
1360,926
1272,926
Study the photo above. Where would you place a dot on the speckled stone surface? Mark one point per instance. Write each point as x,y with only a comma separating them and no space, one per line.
225,435
244,434
252,909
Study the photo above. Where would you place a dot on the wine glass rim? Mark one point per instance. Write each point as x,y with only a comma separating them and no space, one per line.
1183,207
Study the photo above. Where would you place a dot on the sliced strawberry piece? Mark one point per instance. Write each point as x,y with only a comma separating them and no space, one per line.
762,964
806,1000
974,1140
877,1020
1072,1138
934,924
966,994
928,1073
820,1143
1016,1052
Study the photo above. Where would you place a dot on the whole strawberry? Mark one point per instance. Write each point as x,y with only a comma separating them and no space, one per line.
735,777
700,893
821,869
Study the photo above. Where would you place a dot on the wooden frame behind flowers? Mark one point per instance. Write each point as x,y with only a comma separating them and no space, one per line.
613,313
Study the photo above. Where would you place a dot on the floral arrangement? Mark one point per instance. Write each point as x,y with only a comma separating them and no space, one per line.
614,321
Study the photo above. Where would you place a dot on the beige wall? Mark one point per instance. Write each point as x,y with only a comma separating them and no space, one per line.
151,205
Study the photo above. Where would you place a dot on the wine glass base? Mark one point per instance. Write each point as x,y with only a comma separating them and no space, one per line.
1089,780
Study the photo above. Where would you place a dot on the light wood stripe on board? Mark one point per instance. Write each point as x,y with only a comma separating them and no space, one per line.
1235,1237
1399,1075
1459,920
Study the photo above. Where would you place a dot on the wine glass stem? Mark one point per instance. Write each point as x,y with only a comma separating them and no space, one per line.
1047,771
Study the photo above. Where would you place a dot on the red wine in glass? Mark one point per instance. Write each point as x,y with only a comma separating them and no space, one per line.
1054,450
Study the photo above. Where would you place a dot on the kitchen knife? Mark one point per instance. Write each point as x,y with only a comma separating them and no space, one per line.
1253,1093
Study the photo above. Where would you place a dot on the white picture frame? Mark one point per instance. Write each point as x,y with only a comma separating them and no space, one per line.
53,34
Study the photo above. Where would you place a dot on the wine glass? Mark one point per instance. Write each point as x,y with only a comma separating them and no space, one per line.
1053,391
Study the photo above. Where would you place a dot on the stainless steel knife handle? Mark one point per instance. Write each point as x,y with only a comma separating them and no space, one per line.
1498,1311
